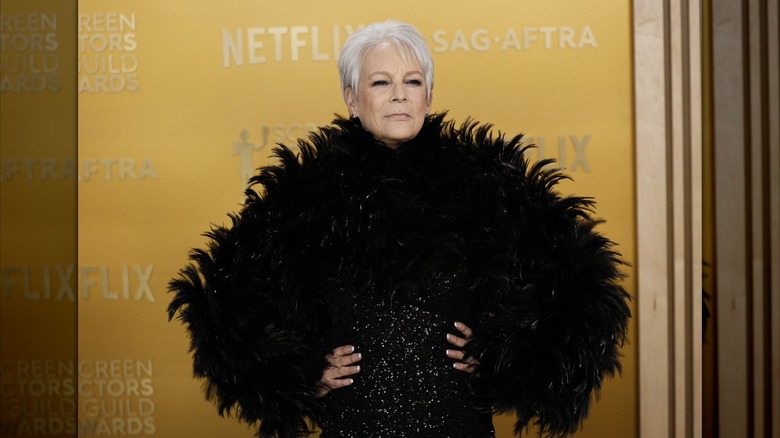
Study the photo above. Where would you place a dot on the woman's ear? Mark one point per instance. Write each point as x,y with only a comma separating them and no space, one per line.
349,99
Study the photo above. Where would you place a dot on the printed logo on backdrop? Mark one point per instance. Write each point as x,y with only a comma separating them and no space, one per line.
110,397
245,148
259,45
116,169
568,151
514,39
57,282
49,282
55,169
38,397
29,62
115,397
106,59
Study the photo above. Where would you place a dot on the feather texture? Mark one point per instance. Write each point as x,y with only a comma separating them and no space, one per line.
346,211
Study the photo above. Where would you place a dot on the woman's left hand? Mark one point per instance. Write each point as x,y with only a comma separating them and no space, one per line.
465,364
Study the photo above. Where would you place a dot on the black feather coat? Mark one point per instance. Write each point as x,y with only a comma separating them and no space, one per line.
548,311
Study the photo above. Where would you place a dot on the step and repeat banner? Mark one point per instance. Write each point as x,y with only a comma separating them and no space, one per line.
179,102
38,183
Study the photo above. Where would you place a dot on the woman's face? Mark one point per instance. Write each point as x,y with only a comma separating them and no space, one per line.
391,96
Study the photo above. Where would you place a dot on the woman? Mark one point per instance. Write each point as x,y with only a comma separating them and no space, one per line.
401,276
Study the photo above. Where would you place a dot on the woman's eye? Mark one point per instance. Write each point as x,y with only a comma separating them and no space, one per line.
414,82
378,83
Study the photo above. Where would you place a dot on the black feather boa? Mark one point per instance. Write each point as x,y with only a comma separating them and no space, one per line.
345,211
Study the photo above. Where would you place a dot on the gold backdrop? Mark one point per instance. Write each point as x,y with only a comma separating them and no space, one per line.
179,101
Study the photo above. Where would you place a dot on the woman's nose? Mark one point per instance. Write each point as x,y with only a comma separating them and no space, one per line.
398,93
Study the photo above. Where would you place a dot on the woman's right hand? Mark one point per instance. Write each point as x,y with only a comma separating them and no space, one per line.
342,361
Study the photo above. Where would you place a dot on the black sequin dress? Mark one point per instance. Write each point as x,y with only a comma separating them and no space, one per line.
407,386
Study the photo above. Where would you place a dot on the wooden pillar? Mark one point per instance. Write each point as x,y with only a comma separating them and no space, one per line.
747,193
667,69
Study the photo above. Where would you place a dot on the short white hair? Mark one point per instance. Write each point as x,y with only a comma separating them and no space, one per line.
403,36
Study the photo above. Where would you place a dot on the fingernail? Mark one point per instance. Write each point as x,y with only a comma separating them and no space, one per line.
448,336
448,352
455,365
457,325
351,348
357,368
351,381
360,356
